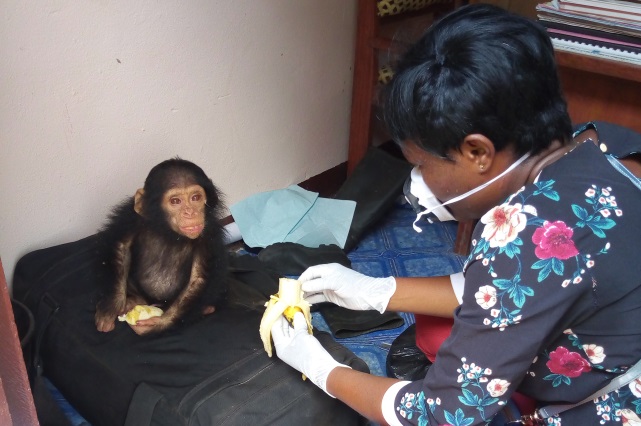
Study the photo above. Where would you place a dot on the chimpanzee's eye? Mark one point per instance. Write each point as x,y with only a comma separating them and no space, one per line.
197,197
174,201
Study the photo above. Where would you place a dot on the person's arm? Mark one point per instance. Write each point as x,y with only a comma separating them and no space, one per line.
437,296
361,391
428,296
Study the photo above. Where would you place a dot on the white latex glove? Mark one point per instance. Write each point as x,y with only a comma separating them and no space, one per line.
301,350
333,282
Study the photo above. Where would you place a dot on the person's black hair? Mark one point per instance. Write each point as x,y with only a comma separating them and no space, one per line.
479,69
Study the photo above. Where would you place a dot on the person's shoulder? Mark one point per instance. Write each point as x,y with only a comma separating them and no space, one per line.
611,138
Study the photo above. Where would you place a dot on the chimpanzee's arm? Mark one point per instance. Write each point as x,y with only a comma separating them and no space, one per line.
115,303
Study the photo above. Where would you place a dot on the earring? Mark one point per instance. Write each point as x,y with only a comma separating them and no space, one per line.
482,166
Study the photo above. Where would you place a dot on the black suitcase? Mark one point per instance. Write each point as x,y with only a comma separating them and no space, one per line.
214,372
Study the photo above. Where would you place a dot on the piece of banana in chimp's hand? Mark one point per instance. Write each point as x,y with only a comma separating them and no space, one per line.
287,302
140,312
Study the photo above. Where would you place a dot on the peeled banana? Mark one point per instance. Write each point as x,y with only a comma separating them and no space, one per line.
287,302
140,312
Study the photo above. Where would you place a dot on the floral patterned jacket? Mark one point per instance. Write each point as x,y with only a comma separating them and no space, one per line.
552,303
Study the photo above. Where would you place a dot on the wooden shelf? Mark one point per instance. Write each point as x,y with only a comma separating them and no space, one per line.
606,67
601,89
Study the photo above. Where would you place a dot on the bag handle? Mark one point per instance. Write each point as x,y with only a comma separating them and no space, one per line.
542,413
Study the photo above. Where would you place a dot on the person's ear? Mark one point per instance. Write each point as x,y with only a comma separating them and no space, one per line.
138,201
478,151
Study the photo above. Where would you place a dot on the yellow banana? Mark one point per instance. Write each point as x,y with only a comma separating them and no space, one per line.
287,302
140,312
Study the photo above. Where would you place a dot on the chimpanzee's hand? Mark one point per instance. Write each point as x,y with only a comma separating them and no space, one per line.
104,322
107,314
150,325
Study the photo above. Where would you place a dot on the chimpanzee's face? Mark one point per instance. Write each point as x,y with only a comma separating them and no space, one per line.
185,209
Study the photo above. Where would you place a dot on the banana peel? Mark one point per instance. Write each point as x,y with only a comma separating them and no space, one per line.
287,302
140,312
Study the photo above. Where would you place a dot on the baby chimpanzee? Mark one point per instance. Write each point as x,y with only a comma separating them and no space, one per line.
165,246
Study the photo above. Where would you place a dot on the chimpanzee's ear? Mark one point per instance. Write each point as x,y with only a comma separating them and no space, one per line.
138,201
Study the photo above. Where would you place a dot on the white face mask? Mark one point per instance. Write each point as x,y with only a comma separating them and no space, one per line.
419,192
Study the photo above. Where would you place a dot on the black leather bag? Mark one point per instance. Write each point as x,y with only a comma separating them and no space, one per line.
214,372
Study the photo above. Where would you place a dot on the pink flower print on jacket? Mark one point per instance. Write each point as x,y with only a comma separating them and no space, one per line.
565,365
554,240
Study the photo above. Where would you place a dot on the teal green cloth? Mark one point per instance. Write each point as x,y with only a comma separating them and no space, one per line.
293,215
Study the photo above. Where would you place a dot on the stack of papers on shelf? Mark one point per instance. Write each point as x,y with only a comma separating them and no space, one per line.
610,29
614,10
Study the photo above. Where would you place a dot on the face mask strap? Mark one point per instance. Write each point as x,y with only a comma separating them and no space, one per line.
471,191
421,214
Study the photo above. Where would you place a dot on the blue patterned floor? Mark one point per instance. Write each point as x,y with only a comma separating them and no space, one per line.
391,248
394,248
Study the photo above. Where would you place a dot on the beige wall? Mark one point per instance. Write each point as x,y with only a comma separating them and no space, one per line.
93,93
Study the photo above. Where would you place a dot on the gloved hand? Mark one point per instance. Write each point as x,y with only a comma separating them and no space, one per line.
345,287
296,347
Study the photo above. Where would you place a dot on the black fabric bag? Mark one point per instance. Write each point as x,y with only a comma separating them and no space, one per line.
344,322
214,372
293,258
375,184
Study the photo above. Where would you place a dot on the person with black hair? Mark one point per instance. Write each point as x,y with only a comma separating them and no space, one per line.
551,300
